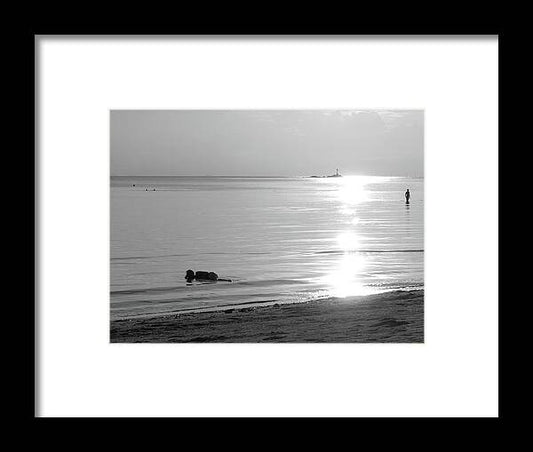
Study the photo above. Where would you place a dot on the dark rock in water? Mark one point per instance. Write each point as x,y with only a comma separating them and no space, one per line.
210,276
202,276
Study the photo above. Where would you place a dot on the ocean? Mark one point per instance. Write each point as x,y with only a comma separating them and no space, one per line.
279,239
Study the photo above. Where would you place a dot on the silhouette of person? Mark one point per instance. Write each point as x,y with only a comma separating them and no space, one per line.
407,196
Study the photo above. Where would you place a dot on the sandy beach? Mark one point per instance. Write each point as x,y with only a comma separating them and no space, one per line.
393,317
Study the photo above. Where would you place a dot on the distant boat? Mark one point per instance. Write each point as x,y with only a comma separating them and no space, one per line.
336,174
333,175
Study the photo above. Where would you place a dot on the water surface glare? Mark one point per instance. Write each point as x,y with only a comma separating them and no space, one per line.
279,240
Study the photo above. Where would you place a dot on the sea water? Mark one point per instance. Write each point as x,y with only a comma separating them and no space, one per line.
279,240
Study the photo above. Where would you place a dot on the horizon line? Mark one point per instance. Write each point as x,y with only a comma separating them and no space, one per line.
251,176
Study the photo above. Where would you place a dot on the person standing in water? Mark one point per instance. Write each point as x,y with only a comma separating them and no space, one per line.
407,196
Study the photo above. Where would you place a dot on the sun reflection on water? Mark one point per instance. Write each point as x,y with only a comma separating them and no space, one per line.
345,278
348,241
352,190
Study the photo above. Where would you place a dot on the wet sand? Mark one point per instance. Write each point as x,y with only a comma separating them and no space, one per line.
394,317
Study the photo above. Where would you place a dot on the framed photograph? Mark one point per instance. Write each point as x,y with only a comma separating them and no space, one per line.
267,226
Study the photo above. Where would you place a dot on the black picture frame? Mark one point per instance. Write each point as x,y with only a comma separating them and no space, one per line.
27,63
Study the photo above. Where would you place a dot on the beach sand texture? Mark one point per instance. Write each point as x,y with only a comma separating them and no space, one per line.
394,317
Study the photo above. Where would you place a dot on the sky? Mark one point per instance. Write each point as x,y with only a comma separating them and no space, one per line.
267,142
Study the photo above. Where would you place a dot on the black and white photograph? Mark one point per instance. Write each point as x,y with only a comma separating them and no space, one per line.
263,226
267,226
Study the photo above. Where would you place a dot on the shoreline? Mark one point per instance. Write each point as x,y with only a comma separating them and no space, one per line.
390,317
